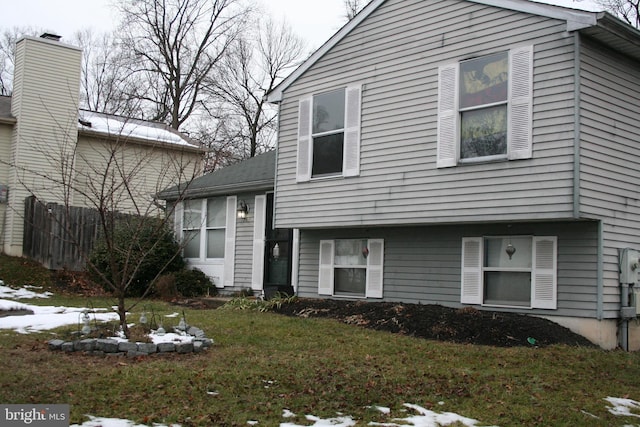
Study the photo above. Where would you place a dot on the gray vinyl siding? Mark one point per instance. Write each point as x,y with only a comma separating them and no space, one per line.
244,245
609,161
422,264
395,54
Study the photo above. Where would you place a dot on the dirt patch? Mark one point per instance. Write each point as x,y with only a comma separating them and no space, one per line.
466,325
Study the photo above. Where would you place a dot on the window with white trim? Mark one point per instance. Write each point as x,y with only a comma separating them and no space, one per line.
329,134
204,227
511,271
351,268
485,108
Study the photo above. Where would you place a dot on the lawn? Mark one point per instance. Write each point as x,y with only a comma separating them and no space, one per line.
263,363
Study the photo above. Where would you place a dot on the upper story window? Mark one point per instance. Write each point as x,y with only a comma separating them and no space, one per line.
485,108
329,134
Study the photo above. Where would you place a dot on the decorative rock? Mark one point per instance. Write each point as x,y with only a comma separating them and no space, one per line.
107,345
197,346
166,347
147,348
127,346
134,353
196,332
206,342
184,347
86,345
67,346
55,344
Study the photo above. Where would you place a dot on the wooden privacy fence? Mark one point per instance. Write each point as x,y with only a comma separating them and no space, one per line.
58,236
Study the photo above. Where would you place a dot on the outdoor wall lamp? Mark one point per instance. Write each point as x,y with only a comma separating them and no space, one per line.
243,210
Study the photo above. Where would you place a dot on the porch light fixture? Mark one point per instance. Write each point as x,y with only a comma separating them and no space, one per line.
243,210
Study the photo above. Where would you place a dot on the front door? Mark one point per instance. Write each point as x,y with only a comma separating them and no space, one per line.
277,265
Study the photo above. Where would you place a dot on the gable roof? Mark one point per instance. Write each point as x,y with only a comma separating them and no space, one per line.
600,25
254,174
108,125
103,125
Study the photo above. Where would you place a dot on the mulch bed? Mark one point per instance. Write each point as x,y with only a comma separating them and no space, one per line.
466,325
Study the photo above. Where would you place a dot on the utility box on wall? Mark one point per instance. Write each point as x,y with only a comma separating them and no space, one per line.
629,266
4,193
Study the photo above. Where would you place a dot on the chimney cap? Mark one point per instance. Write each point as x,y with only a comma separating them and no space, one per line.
50,36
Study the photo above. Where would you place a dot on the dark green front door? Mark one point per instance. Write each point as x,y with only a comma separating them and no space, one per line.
278,242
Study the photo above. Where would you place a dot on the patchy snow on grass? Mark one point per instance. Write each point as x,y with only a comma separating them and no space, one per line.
22,293
45,318
623,407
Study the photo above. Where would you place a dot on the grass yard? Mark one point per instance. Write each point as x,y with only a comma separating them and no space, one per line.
264,363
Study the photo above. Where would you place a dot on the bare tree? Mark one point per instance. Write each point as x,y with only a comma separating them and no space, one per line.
252,66
174,45
106,79
118,179
627,10
352,7
8,40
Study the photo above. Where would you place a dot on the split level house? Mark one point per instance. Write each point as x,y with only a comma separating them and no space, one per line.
51,149
468,153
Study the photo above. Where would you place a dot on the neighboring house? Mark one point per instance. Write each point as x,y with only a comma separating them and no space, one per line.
225,219
468,153
60,154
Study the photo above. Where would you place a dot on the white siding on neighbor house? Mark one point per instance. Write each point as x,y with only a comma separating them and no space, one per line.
148,171
5,153
45,103
610,155
423,264
395,54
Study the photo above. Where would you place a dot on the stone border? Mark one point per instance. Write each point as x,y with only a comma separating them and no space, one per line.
111,347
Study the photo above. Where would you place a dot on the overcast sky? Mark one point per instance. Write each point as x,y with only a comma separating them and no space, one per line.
313,20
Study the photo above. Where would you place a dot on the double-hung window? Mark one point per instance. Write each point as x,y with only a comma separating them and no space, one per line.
351,268
329,134
511,271
204,223
485,108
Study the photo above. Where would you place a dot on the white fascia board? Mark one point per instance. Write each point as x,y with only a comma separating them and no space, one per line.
275,95
576,19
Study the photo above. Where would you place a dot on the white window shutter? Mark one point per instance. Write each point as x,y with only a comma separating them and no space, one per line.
325,272
230,242
520,103
259,220
544,282
305,111
375,270
351,159
447,153
177,220
471,281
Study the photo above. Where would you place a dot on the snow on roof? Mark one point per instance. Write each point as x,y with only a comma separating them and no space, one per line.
121,126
